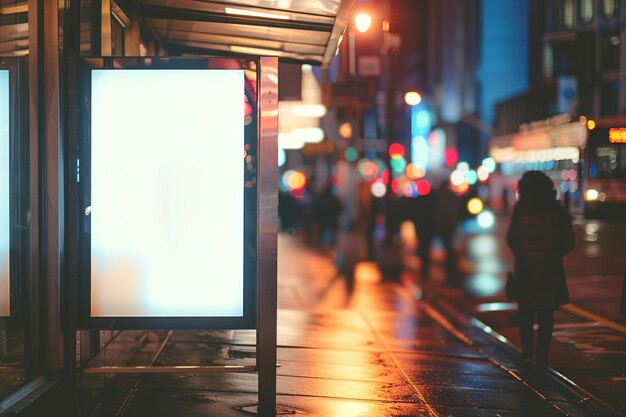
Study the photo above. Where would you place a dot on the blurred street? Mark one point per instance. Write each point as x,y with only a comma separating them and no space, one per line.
386,348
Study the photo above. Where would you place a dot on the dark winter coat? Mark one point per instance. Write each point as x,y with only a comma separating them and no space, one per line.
539,237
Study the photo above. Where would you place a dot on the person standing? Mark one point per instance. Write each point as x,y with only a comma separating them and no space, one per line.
446,219
539,235
325,213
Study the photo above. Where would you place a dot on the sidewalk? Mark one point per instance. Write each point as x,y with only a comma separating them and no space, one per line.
376,352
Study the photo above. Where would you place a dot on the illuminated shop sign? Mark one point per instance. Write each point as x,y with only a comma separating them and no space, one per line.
617,135
5,293
167,193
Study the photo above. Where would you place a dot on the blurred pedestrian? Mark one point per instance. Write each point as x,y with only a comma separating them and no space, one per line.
422,215
539,235
325,214
447,213
390,261
288,212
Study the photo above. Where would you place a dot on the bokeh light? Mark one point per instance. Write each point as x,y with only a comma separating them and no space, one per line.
414,171
384,176
396,150
362,22
471,177
379,189
368,169
351,154
482,173
398,165
412,98
410,190
420,154
423,187
591,124
457,177
395,186
489,164
450,157
282,157
294,180
474,206
486,219
345,130
422,120
463,167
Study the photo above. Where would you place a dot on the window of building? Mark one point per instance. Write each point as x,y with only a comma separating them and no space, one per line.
586,10
548,61
609,8
610,50
568,14
610,98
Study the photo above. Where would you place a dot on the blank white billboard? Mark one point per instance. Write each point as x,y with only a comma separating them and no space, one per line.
5,243
167,193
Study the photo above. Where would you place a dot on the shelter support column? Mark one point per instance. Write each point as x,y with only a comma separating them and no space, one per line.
267,235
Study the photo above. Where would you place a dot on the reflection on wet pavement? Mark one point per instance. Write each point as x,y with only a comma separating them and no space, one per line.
375,351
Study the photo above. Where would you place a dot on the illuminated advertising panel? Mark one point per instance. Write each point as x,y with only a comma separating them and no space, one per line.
5,293
167,193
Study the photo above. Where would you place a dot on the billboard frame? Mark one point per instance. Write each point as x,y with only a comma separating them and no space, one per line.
78,196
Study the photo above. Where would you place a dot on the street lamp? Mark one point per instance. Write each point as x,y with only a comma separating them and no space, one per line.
362,22
412,98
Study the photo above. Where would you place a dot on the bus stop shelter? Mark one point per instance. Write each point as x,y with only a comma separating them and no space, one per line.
38,40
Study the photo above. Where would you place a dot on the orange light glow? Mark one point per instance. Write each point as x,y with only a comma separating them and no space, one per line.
617,135
415,172
345,130
362,22
474,205
591,124
461,188
296,181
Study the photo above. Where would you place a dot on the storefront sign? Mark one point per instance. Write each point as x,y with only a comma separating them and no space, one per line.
617,135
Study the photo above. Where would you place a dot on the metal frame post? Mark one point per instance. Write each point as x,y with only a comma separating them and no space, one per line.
267,234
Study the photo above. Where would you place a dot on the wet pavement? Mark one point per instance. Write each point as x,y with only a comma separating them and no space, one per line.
377,351
589,342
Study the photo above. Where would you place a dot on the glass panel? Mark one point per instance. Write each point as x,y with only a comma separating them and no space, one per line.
13,193
181,29
317,11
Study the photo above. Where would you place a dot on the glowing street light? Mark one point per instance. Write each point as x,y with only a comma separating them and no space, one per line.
362,22
412,98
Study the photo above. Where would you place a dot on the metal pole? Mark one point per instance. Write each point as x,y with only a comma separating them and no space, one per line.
267,230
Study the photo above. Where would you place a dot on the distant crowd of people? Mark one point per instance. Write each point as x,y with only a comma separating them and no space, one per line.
321,221
539,235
